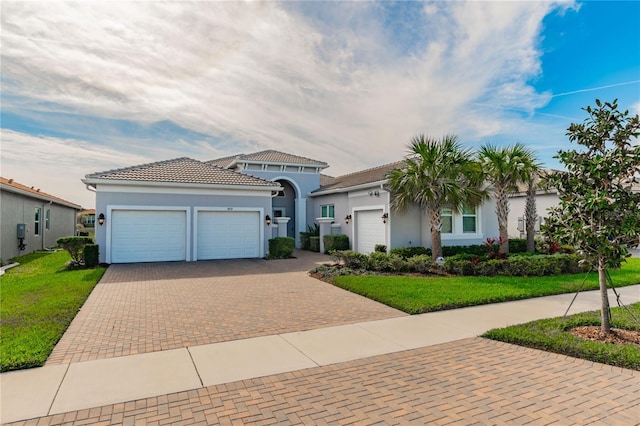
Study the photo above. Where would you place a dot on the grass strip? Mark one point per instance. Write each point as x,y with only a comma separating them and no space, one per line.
416,295
38,300
552,335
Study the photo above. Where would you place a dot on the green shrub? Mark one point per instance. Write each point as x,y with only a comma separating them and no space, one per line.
477,249
386,263
305,243
537,265
422,264
380,248
281,247
335,242
91,255
74,246
314,244
517,245
352,259
314,231
409,252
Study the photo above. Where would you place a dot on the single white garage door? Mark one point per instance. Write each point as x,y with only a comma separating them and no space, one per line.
148,236
370,230
228,234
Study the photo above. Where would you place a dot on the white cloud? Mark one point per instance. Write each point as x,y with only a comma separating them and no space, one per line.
271,75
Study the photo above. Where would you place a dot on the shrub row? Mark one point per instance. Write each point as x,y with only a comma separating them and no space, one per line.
281,247
335,242
464,264
536,265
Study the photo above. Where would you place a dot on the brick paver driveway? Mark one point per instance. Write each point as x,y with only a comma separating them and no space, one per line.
140,308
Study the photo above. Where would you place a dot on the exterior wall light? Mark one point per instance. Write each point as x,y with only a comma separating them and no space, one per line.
267,219
385,216
101,219
347,219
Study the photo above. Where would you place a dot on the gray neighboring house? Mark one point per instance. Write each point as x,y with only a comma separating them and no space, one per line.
45,218
188,210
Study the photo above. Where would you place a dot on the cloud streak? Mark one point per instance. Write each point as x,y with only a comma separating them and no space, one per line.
328,81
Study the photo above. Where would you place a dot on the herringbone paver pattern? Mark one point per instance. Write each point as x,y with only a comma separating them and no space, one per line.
158,306
469,382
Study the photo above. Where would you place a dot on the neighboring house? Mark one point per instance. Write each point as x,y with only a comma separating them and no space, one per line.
31,219
87,218
185,209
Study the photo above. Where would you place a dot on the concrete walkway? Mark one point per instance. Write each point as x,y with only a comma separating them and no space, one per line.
77,386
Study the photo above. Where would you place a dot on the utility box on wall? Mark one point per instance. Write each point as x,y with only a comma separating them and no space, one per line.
22,230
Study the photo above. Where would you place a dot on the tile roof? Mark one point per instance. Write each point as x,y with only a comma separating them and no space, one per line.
180,170
325,179
13,186
268,156
375,174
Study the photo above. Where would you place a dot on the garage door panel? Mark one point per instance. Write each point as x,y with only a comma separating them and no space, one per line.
148,235
370,230
228,235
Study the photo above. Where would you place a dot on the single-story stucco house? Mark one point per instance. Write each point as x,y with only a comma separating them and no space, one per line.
188,210
32,219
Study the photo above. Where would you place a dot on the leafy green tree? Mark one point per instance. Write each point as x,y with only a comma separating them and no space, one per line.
436,174
599,213
505,168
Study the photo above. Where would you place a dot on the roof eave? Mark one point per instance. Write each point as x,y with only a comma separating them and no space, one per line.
39,197
348,188
94,182
281,163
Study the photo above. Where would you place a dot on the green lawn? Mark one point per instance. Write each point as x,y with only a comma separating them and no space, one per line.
38,300
551,335
425,294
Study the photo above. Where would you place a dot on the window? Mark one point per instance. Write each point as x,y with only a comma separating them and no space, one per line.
469,220
447,221
47,219
327,211
36,222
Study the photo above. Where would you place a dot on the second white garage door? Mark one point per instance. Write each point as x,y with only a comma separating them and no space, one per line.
370,230
148,236
228,234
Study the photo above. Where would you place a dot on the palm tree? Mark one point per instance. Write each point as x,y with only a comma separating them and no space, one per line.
530,211
436,174
504,168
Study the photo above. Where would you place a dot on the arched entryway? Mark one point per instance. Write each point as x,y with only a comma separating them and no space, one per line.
284,205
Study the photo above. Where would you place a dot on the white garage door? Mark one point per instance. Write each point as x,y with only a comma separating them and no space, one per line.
370,230
228,235
148,236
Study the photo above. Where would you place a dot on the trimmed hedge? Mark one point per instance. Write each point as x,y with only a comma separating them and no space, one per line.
305,243
91,255
409,252
314,244
517,245
335,242
281,247
462,264
380,248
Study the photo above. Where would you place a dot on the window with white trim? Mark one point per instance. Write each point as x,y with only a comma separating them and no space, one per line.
469,220
327,210
446,216
47,219
36,221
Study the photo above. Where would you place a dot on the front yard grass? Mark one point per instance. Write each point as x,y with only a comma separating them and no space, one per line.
416,295
552,335
38,300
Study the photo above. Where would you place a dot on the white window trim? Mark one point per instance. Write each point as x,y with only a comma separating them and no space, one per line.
328,205
47,219
37,223
457,233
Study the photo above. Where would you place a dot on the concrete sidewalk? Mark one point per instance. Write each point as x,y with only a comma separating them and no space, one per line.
82,385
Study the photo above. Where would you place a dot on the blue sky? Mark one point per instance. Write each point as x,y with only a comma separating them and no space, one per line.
93,86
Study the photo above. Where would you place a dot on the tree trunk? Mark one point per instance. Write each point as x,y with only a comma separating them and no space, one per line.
605,327
531,216
502,210
436,236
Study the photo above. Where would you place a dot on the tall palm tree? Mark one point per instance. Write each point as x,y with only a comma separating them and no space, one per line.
504,168
437,174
